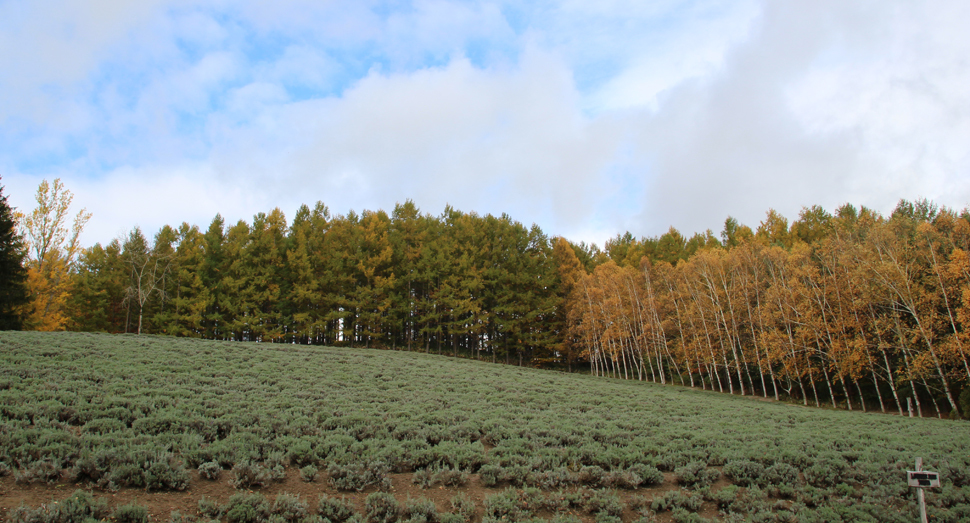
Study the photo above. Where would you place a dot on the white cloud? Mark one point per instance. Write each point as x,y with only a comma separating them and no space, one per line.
665,57
509,140
588,117
825,104
43,51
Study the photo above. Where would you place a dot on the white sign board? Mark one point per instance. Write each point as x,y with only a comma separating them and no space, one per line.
922,478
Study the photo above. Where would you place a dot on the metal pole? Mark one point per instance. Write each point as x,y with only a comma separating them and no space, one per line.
920,496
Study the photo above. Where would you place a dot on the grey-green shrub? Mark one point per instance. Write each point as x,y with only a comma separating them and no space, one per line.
779,474
676,499
450,477
695,473
724,497
210,470
250,475
177,517
381,507
419,511
210,508
744,472
512,505
309,473
604,501
247,508
358,476
333,509
490,475
130,513
591,476
79,506
681,515
166,473
423,478
290,507
463,506
648,474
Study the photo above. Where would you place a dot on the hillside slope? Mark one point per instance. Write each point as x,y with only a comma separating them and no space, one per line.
120,412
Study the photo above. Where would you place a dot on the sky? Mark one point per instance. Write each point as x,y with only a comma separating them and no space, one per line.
588,118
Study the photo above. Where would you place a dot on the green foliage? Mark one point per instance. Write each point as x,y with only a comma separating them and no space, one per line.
358,476
744,472
381,507
300,452
677,499
964,401
591,476
130,513
724,497
39,471
604,502
13,273
309,473
509,504
555,478
210,470
248,475
210,508
247,508
446,476
648,474
463,507
779,474
166,473
80,506
177,517
290,507
368,413
681,515
490,475
696,473
419,511
336,510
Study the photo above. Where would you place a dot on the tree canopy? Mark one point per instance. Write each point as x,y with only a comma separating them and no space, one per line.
851,309
13,274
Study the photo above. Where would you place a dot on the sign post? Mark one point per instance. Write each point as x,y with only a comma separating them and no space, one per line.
921,479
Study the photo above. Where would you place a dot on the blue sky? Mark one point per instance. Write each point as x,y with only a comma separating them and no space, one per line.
587,118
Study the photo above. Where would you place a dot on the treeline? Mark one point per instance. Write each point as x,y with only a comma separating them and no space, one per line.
855,310
851,309
453,283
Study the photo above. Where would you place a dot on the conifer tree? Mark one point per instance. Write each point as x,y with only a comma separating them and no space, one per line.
186,296
13,274
213,272
98,299
306,296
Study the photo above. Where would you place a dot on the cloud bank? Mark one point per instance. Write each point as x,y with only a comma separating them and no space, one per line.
587,119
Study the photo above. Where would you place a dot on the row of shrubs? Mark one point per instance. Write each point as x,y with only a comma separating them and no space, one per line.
163,471
505,506
734,503
148,469
82,507
143,465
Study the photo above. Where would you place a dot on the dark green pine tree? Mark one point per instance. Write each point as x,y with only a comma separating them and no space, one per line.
13,275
